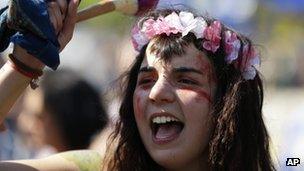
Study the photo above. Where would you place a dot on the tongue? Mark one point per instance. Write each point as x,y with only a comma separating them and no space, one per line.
167,130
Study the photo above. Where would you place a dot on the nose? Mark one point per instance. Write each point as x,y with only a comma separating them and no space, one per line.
162,92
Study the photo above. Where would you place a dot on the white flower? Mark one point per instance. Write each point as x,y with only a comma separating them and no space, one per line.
174,21
191,24
200,26
186,18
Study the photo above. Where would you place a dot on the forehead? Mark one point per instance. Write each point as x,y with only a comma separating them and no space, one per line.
191,58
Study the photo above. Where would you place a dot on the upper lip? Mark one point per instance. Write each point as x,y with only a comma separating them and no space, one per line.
160,114
163,114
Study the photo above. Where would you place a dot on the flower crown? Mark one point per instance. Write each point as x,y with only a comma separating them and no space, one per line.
185,22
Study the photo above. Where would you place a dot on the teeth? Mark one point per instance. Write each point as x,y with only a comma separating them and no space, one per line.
163,119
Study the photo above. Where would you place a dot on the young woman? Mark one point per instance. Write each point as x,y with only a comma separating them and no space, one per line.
192,99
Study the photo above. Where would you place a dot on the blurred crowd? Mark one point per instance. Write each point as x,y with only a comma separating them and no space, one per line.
53,118
65,113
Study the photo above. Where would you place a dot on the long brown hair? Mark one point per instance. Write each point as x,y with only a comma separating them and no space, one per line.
240,140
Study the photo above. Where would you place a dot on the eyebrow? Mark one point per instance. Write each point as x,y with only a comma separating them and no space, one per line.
146,69
186,69
175,70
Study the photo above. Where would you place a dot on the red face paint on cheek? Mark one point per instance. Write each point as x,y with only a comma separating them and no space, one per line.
137,107
201,93
140,97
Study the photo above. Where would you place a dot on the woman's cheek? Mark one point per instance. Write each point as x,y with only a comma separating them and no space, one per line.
198,95
139,101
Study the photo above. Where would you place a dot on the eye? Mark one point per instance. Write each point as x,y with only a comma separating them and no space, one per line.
187,81
145,81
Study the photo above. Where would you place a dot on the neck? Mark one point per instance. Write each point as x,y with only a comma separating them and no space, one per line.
196,165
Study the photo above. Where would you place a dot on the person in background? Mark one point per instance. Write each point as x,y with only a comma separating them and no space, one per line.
63,114
70,113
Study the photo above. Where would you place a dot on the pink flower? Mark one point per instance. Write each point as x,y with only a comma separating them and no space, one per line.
212,34
232,46
161,26
149,28
138,39
152,28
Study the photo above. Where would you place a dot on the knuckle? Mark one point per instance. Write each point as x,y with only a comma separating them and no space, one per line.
52,4
62,4
55,5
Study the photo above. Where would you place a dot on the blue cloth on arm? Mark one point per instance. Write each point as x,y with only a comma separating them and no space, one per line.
5,32
30,27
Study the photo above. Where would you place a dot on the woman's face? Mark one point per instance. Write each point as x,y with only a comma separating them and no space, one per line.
172,105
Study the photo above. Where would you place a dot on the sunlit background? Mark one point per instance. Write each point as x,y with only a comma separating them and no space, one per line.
101,50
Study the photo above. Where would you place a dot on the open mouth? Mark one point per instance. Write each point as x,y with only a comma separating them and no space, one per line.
165,129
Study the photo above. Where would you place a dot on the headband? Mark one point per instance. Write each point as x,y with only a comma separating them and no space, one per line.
185,22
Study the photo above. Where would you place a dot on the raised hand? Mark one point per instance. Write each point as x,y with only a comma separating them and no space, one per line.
13,82
57,11
63,17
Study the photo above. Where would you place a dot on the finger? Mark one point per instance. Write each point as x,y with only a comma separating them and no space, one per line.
69,24
57,14
52,18
63,6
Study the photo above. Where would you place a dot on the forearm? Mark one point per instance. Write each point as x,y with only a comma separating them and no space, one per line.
80,160
48,164
12,84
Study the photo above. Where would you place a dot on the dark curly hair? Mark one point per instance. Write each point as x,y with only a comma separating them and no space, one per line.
240,140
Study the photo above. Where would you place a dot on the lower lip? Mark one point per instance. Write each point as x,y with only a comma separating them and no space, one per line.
162,141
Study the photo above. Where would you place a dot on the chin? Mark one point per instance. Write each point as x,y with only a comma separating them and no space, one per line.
178,156
169,158
168,161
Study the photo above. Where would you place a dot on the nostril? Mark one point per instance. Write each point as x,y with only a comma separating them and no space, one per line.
162,91
161,95
151,98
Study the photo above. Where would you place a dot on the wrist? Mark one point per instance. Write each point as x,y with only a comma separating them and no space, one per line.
27,59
